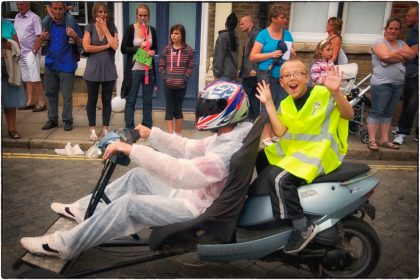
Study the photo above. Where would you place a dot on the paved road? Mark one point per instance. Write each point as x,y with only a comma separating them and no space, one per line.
31,182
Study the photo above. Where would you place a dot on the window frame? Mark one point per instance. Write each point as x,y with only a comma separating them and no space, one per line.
357,38
348,38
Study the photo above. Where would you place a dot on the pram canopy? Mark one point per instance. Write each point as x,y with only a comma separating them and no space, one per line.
349,76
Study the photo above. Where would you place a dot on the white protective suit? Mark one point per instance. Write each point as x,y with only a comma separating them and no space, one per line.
176,182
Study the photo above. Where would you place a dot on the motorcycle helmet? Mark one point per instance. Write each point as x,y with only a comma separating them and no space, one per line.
222,103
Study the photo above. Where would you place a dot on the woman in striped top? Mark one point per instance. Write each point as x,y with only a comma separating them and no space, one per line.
176,67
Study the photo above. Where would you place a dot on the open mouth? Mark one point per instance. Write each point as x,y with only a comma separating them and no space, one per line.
293,86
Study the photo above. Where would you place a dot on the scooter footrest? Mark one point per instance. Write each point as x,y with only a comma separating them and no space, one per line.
46,262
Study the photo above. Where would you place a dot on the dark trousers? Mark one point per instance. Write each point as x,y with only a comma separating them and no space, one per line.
54,83
281,185
93,92
138,77
250,87
410,106
174,99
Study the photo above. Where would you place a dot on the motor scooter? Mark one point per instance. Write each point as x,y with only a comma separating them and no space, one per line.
241,224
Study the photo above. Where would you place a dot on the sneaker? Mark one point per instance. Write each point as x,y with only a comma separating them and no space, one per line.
399,139
63,209
275,139
40,245
267,142
395,130
46,43
298,240
49,125
68,126
416,139
93,136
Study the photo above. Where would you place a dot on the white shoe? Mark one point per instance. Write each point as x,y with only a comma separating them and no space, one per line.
267,142
104,131
42,245
399,139
93,136
63,209
275,139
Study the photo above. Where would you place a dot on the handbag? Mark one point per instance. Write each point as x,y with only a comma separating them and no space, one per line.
342,57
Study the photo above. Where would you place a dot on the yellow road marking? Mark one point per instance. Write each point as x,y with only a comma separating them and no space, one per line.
61,157
45,156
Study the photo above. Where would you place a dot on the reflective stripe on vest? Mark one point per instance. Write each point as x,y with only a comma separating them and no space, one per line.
327,151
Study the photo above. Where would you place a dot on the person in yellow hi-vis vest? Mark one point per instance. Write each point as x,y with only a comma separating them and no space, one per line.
313,126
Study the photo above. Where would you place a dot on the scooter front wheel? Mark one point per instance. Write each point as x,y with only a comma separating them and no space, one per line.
360,241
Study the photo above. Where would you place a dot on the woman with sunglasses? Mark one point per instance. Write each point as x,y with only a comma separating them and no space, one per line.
139,38
387,82
333,28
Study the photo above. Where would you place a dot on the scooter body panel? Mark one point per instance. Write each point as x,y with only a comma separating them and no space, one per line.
329,201
249,250
321,199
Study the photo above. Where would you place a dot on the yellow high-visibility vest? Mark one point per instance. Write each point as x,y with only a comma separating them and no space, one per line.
316,139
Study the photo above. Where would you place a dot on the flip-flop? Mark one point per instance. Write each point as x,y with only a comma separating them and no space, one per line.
390,145
373,146
14,134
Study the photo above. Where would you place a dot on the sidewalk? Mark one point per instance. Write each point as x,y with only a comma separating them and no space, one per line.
33,137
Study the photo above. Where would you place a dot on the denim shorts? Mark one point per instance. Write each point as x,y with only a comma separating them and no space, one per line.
385,98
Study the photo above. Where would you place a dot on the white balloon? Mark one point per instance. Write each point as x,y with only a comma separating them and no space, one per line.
118,104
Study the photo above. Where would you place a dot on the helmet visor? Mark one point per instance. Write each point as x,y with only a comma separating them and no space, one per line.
206,107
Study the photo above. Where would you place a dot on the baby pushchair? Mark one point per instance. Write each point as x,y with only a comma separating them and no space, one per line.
356,94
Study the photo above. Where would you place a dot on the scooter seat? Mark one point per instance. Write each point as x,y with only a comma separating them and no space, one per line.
346,171
217,224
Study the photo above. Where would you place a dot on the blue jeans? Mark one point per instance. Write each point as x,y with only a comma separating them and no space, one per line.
385,98
249,85
410,105
147,94
54,83
277,93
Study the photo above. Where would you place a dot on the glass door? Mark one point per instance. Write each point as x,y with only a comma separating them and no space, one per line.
162,16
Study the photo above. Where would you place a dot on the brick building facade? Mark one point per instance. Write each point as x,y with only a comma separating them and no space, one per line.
356,53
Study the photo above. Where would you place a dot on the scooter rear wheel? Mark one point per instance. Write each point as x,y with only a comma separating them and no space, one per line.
362,243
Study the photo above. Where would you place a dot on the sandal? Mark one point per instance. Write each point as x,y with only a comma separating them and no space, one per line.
14,134
390,145
93,136
373,146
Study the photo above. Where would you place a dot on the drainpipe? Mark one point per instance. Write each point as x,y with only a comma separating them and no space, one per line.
263,15
203,46
118,104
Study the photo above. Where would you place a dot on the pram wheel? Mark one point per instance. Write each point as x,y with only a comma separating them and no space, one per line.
364,136
353,128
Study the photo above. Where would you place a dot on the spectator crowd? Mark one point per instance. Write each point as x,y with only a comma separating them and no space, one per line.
58,35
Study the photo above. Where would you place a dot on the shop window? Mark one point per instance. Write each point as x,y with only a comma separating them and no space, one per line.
363,22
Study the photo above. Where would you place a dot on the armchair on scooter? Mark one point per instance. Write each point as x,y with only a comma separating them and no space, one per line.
241,223
215,226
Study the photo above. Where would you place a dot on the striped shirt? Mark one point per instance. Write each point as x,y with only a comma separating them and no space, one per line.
176,66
